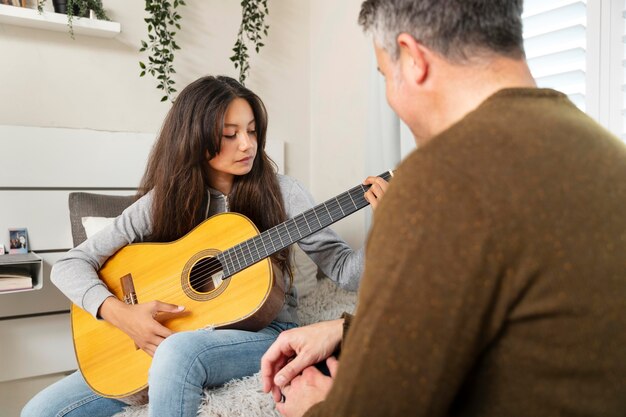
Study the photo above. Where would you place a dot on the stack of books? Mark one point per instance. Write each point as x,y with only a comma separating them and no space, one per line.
12,279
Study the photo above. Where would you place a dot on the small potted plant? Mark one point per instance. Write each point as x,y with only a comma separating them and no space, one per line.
76,8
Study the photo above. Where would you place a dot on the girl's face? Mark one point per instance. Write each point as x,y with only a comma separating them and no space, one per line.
238,147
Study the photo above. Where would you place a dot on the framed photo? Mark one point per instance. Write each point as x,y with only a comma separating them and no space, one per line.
18,240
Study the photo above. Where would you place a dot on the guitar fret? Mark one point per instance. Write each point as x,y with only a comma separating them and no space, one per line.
318,219
340,208
237,257
248,255
228,258
307,223
250,250
272,240
221,259
288,234
301,225
280,237
329,215
336,210
258,254
293,224
349,195
242,258
264,247
243,254
360,199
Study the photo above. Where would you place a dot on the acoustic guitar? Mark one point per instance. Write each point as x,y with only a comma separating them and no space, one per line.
219,271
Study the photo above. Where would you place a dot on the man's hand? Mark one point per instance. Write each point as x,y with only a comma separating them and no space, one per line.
307,389
140,321
297,349
376,191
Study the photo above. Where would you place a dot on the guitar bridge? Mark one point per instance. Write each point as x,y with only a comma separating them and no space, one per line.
128,289
130,296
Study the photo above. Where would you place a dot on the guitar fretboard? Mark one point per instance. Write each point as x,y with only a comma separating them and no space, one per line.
277,238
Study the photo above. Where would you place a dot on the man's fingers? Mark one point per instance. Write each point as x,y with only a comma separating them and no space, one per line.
291,370
276,394
273,360
333,366
269,370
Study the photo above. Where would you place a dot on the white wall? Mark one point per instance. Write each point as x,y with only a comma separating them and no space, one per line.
312,75
340,69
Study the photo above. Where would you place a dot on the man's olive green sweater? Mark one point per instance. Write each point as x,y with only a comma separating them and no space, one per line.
495,276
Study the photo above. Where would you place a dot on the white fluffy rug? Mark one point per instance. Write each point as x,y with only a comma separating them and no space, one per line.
243,397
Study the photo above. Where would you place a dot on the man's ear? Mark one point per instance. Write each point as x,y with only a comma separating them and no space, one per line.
414,59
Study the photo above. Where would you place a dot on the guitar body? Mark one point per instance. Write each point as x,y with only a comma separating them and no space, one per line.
109,360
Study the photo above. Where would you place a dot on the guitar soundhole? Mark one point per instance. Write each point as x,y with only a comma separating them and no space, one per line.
206,275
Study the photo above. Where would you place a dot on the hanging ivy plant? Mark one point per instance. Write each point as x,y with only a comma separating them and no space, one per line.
252,26
162,25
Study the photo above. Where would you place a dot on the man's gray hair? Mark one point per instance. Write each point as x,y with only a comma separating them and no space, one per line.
456,29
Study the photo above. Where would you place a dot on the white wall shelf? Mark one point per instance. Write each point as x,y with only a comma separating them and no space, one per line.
21,16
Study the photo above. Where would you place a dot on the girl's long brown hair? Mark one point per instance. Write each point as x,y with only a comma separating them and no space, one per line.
177,170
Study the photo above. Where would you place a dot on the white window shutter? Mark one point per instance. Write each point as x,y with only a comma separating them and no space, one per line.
555,40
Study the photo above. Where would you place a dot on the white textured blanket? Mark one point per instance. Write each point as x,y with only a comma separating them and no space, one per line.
243,397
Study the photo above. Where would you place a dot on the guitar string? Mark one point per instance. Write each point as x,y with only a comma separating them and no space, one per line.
204,274
202,277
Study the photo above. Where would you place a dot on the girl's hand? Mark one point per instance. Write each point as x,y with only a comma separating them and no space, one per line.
376,191
140,321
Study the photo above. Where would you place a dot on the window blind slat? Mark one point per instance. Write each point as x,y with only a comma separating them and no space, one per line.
555,19
535,7
560,62
553,42
569,83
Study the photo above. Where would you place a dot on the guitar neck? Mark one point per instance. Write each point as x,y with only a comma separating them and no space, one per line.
279,237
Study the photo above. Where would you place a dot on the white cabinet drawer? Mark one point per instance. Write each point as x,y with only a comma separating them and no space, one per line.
36,346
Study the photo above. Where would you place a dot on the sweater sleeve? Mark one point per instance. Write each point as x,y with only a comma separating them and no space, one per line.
428,290
76,273
331,254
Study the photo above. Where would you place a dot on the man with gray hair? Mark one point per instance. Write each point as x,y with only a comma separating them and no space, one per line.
495,279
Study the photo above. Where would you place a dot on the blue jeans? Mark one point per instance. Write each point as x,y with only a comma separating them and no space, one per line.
183,365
